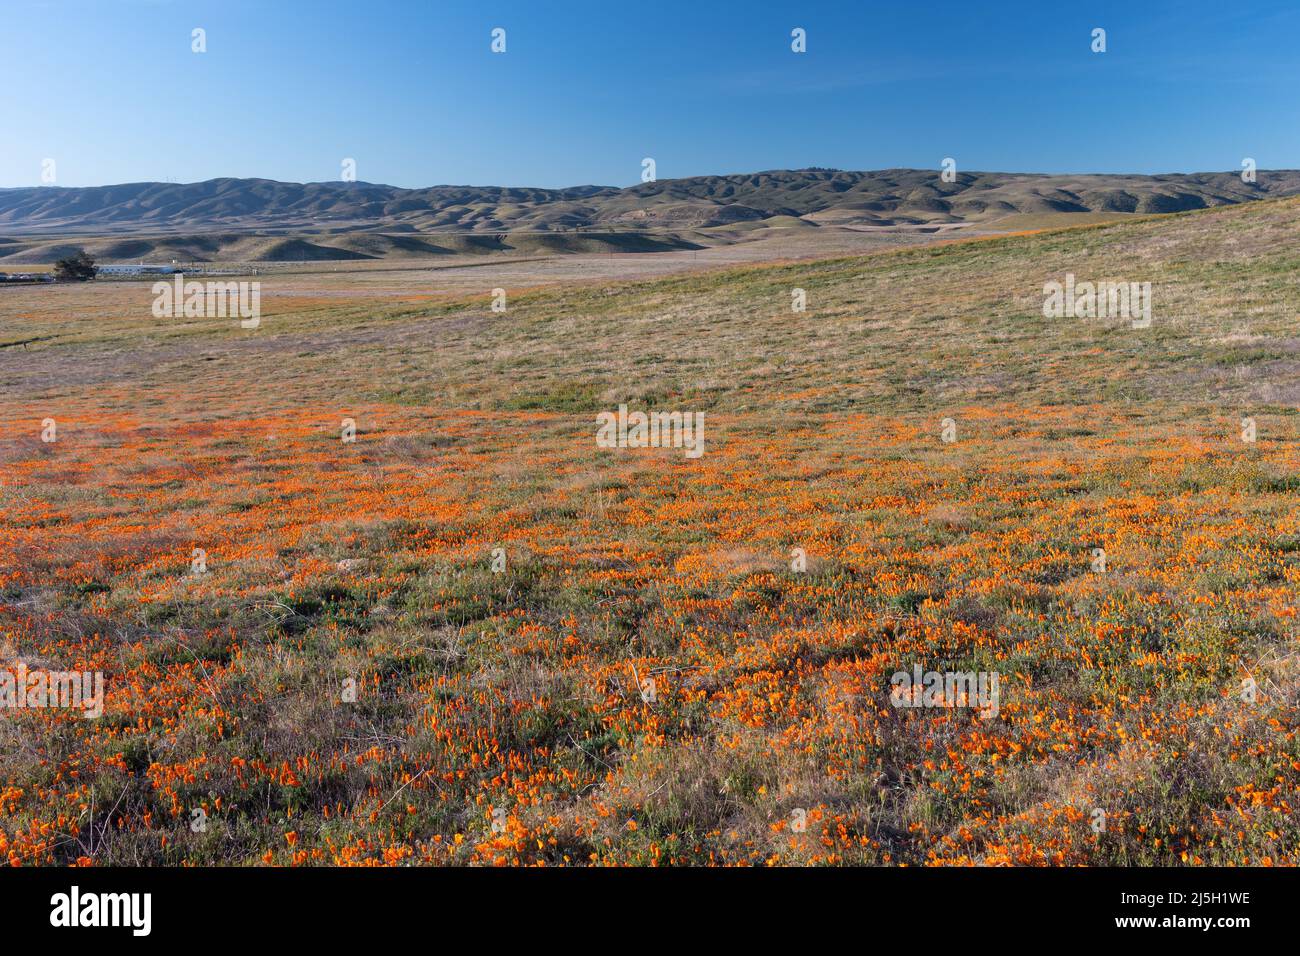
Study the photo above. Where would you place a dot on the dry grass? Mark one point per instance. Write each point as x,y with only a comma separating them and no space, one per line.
502,717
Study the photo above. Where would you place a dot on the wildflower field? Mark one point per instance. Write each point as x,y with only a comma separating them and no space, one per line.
431,645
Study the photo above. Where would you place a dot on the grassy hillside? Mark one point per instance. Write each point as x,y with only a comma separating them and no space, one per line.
353,246
879,198
501,717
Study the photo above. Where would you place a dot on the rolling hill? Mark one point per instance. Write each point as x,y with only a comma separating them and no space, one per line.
258,220
889,198
1119,687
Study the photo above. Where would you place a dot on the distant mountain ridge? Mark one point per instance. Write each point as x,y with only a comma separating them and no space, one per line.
813,197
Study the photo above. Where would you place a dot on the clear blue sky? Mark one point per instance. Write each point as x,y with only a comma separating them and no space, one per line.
287,89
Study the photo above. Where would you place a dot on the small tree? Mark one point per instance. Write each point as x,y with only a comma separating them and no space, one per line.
77,267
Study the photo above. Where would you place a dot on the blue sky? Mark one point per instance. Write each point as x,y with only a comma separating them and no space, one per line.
410,89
